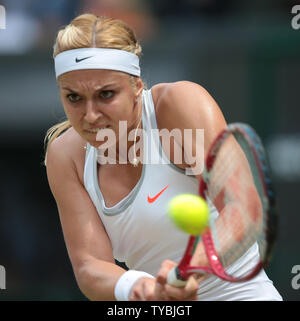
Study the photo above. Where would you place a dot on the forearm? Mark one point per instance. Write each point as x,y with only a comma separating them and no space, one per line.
97,279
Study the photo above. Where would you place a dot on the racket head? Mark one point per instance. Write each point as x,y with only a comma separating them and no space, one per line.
237,181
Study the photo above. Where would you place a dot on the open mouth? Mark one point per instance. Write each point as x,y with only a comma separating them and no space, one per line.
96,130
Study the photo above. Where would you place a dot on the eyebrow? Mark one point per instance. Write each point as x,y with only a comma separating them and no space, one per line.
97,89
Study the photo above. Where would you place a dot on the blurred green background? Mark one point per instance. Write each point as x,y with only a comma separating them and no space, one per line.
245,53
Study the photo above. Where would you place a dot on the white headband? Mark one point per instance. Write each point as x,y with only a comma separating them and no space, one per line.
97,58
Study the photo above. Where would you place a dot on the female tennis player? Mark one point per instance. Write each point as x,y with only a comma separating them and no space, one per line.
117,209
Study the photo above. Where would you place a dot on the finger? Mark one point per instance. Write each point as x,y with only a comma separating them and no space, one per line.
189,292
175,293
162,275
160,293
149,291
191,288
170,293
135,295
163,295
137,292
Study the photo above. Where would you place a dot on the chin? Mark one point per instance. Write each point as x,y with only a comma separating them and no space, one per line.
96,143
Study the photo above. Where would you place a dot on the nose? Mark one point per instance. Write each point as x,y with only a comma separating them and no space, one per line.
92,113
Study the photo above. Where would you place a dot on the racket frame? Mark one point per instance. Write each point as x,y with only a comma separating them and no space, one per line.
183,270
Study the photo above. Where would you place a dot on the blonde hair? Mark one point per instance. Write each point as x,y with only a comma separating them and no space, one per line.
91,31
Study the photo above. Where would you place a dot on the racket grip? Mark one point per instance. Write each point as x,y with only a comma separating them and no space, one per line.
175,279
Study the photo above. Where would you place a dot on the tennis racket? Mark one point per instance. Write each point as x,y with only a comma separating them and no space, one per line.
236,180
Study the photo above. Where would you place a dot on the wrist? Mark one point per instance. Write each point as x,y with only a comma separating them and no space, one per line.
125,283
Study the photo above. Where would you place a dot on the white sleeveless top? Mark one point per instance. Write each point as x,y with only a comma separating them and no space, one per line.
141,233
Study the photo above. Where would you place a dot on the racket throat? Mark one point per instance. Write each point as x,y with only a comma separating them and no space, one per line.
214,260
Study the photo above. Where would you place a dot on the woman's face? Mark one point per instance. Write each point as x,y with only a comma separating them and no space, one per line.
97,99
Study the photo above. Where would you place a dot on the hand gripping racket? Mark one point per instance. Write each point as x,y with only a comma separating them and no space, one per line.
236,180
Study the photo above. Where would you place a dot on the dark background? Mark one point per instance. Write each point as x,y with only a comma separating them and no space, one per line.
245,53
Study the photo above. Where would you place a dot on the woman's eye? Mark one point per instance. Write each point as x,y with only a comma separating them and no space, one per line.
73,98
106,94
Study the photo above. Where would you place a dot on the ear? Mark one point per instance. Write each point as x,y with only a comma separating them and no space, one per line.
139,88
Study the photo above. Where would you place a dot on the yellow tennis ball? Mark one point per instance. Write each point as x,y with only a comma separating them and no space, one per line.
189,212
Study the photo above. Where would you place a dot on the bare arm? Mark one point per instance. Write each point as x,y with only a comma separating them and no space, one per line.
88,245
192,107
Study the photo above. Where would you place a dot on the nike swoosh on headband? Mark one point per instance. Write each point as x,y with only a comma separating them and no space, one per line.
78,60
153,199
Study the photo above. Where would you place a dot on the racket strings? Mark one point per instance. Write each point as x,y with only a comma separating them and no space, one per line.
261,230
232,189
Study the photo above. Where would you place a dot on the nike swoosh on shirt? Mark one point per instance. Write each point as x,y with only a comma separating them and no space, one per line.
78,60
153,199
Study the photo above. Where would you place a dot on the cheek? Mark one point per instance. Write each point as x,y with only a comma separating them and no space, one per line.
72,114
68,112
123,108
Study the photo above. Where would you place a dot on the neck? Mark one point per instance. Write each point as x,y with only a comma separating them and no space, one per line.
131,144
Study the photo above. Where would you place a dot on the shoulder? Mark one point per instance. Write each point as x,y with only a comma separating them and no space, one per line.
171,90
66,154
182,97
174,90
185,104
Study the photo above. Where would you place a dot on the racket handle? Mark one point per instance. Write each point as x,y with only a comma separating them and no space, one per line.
175,279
